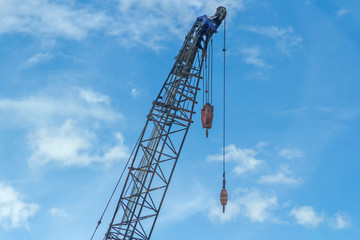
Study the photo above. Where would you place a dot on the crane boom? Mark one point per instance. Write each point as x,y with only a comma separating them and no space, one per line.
160,143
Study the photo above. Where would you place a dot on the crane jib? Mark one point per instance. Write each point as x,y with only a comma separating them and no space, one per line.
160,143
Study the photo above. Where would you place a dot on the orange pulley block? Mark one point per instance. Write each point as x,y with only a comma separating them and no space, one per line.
223,195
207,114
223,198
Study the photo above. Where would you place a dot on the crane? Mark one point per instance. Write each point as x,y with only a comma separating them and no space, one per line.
158,149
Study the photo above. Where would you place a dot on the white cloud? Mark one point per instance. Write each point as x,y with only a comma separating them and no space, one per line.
273,32
253,205
163,19
245,158
258,75
291,153
69,145
136,22
278,178
93,97
306,216
40,110
14,212
257,206
293,110
118,152
341,220
342,12
135,92
283,176
36,59
63,128
58,212
49,19
261,144
198,200
232,210
252,57
180,207
285,38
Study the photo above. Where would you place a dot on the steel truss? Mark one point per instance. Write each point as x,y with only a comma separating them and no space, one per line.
160,143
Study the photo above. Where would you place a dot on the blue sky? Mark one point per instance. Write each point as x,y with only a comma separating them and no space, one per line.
77,79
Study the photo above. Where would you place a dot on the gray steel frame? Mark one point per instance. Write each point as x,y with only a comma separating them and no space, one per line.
160,144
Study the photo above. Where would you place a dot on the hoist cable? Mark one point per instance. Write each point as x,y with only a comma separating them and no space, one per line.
224,50
211,71
117,184
206,80
203,91
208,76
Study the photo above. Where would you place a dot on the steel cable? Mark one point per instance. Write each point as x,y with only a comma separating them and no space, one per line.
117,184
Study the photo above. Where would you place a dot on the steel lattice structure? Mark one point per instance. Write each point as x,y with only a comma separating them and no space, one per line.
162,138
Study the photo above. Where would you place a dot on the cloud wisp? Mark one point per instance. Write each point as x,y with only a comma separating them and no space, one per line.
38,110
36,59
14,212
244,158
58,213
252,57
306,216
291,153
146,23
49,19
341,220
257,206
162,18
64,129
342,12
183,206
252,204
285,38
69,145
283,176
92,97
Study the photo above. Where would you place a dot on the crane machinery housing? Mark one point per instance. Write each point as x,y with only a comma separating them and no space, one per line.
157,151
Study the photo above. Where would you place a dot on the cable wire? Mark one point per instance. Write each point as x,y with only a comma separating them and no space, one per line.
224,51
117,184
211,71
